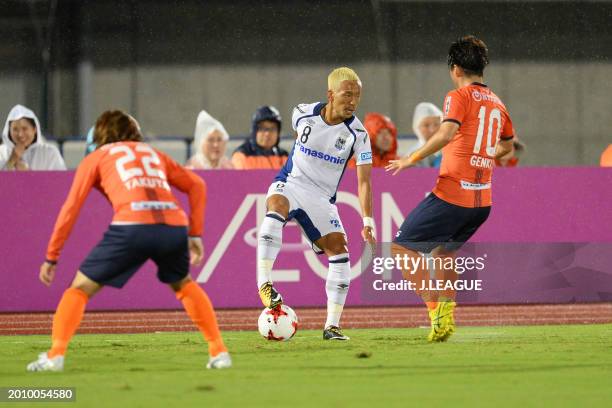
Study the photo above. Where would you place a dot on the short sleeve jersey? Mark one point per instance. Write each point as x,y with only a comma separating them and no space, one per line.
136,179
469,158
321,151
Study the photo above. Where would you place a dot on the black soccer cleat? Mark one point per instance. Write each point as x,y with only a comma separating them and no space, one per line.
334,333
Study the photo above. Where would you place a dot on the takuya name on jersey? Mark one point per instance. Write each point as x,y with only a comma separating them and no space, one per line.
149,182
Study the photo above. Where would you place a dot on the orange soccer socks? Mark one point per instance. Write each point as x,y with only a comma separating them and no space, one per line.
200,310
419,276
66,320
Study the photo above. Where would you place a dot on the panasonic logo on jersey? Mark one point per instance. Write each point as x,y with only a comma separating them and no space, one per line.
321,155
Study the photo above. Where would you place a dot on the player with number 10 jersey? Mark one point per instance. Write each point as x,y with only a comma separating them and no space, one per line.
475,131
468,160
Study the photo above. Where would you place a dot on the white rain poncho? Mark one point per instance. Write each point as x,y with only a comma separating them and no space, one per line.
39,155
205,124
422,111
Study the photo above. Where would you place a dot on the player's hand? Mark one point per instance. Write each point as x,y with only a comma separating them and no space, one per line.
367,233
398,165
196,250
47,273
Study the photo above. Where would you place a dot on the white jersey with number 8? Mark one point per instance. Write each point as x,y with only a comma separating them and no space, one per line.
321,151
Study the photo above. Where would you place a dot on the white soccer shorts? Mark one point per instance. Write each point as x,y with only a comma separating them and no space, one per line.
312,210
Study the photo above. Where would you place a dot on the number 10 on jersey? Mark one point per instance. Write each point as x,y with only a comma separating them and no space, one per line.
494,115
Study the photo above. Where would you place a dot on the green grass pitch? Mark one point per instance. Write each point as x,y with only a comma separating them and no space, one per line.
479,366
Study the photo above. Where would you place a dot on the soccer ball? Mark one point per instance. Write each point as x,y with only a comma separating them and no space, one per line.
279,324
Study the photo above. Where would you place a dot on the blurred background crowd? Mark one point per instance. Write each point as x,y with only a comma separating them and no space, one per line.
215,89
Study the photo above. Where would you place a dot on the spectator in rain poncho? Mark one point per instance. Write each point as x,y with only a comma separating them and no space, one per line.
261,149
425,123
383,138
24,147
210,143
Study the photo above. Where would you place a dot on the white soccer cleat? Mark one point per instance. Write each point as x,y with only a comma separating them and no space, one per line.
221,360
44,363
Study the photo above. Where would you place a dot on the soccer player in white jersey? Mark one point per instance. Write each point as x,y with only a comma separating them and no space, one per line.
327,136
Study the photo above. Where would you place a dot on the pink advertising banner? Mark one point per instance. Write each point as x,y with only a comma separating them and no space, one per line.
549,237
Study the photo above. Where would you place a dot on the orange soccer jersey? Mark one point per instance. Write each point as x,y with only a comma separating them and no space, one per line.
136,179
469,158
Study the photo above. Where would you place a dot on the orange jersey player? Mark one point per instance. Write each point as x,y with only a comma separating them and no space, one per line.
148,224
468,159
475,131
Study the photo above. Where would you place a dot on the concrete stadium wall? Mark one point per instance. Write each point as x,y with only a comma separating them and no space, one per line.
560,110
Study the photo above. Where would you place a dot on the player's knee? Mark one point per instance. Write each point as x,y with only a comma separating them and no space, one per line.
337,249
176,286
334,244
442,252
83,283
402,251
397,249
278,204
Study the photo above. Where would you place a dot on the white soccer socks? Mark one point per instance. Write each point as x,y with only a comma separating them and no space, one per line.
336,286
269,242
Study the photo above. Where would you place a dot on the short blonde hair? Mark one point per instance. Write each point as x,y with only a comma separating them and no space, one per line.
338,75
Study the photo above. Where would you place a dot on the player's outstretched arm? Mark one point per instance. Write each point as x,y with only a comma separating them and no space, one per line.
440,139
194,186
364,187
84,179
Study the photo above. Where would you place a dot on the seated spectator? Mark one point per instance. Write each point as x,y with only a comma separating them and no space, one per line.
606,157
425,123
383,138
210,143
24,147
511,158
260,150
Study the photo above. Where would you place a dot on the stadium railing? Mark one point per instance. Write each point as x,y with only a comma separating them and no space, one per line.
180,148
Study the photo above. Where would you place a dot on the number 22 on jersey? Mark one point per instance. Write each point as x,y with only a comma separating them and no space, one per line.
146,162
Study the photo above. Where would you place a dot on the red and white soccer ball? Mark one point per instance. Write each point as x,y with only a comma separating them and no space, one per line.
279,324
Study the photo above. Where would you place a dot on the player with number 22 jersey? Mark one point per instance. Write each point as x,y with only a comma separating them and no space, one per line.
148,224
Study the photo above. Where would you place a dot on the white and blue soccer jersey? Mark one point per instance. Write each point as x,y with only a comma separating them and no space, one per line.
321,152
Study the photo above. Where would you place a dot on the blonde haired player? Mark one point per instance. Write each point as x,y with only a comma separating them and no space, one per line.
327,135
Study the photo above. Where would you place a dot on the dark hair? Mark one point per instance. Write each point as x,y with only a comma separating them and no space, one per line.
31,121
469,53
116,126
